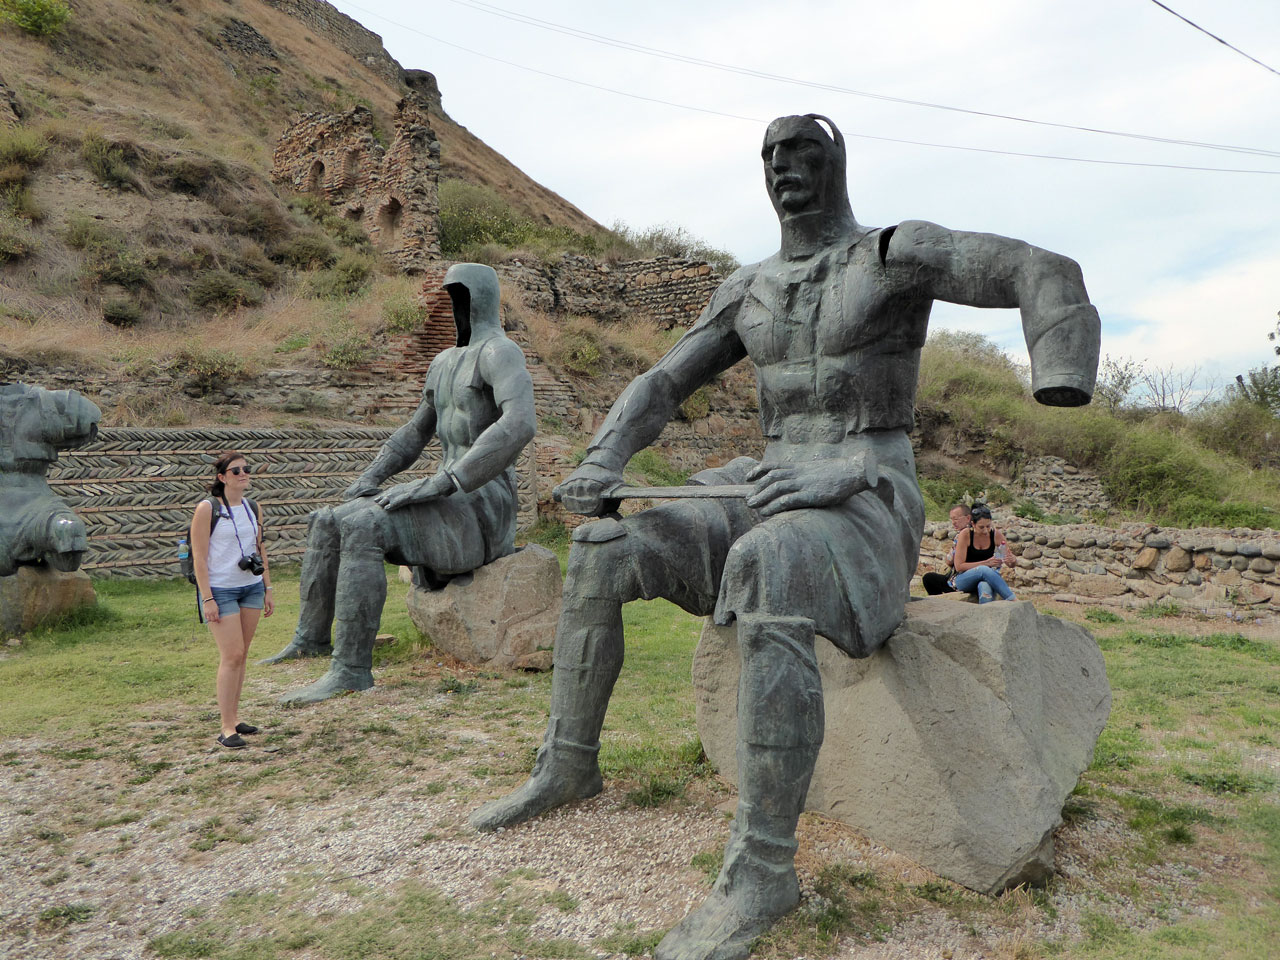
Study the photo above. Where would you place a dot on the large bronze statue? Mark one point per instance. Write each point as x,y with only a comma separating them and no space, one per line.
36,526
827,540
478,400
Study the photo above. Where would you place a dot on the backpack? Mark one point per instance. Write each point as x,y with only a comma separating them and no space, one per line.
186,563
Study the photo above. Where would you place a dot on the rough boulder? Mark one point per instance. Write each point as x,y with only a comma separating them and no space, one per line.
956,744
502,617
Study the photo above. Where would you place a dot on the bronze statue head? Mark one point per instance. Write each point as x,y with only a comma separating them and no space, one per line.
804,170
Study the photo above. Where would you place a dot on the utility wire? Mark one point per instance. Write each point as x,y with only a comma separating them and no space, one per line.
759,120
1215,36
493,10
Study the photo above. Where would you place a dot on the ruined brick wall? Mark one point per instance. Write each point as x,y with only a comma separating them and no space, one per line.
346,34
392,192
667,290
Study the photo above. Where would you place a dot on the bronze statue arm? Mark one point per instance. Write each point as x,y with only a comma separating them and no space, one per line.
401,450
503,368
649,402
1061,326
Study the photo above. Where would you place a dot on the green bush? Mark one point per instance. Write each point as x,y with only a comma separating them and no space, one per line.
208,369
473,216
17,201
667,240
352,350
344,279
192,174
42,18
221,289
109,162
15,239
307,251
403,313
22,146
121,312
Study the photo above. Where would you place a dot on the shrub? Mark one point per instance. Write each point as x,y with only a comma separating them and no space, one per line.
109,162
42,18
305,252
121,312
22,147
253,264
15,239
208,369
263,220
352,350
667,240
221,289
192,175
17,201
403,313
473,216
345,278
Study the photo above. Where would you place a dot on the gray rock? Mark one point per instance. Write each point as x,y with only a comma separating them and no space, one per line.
1271,551
507,612
1249,549
956,744
1160,543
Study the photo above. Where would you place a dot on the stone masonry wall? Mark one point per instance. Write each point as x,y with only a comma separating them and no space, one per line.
1134,565
136,489
392,192
346,34
666,290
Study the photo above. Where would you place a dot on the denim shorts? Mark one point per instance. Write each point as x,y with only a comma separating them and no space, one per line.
231,599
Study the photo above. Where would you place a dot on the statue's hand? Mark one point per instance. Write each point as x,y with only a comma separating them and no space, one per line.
418,491
800,486
587,489
361,488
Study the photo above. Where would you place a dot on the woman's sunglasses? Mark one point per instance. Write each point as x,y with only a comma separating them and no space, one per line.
236,471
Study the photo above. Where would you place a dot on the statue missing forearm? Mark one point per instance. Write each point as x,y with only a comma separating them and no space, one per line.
824,543
478,400
36,526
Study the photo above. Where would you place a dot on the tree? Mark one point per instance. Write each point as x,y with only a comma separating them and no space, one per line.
1116,380
1261,385
43,18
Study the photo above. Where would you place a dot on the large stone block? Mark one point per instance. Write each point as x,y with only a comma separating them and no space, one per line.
506,612
956,744
34,595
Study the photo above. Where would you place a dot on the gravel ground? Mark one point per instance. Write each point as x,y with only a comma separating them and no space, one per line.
620,863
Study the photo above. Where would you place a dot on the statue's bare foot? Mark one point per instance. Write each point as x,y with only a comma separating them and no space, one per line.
339,679
556,779
297,650
718,930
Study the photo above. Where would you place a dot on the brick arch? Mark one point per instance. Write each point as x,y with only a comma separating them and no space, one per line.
390,216
315,177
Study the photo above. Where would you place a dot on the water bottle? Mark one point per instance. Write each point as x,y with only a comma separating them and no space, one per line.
184,551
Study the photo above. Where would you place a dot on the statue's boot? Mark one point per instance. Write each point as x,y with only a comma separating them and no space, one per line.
318,588
587,658
780,724
362,591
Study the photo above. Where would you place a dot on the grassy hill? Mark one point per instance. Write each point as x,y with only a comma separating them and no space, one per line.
135,150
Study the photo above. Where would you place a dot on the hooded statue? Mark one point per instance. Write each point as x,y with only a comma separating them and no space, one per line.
478,400
36,526
833,324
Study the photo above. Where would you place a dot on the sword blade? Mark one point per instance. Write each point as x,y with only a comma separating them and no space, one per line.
690,492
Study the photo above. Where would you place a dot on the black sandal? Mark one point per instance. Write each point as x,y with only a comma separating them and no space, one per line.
248,728
233,741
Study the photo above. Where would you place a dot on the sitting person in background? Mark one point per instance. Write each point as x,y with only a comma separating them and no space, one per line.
980,552
936,583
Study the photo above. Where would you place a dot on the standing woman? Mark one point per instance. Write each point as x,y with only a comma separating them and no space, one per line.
980,552
233,583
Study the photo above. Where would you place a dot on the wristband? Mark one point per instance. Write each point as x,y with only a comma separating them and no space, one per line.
206,599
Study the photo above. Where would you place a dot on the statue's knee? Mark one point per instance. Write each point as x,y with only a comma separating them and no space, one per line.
362,528
600,560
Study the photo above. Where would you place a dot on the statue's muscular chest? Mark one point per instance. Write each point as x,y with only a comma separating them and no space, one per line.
463,401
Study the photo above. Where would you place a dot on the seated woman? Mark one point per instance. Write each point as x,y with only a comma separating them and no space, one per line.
980,552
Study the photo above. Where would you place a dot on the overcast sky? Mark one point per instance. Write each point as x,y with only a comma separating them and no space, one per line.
1184,265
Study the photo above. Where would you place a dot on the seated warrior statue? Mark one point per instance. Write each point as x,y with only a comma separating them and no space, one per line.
824,544
479,400
36,525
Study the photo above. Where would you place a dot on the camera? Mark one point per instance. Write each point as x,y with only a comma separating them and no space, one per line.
252,563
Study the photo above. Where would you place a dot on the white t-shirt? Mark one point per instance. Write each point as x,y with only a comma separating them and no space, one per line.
224,550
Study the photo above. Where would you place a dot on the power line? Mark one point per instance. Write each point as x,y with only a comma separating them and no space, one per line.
493,10
759,120
1215,36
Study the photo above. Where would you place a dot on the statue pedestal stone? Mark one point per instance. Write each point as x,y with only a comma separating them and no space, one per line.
36,594
956,744
504,618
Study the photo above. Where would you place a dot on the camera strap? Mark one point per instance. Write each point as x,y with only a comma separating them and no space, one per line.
236,530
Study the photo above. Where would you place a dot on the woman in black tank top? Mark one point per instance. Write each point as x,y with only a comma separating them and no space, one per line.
980,553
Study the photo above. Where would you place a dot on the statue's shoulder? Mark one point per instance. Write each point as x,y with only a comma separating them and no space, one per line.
501,352
734,286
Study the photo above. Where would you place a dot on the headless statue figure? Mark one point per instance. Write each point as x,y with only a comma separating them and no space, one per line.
36,525
833,324
478,400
